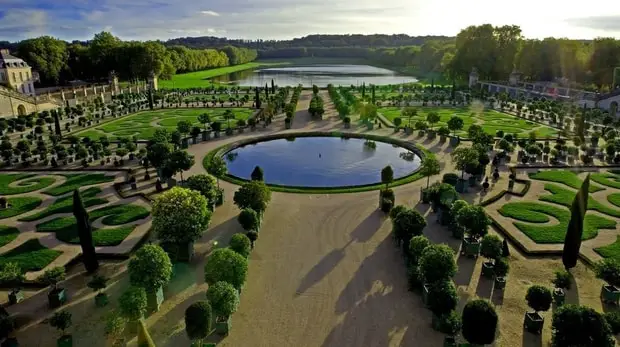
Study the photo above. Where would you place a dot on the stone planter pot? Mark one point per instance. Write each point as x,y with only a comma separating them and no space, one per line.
15,296
220,199
470,247
206,135
287,125
442,138
408,130
610,294
154,299
559,296
194,140
488,269
65,341
425,195
500,283
222,325
472,181
533,322
57,297
101,300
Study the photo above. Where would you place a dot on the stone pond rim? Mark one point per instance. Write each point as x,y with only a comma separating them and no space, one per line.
410,177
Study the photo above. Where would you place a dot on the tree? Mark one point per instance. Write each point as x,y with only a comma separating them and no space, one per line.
491,247
479,322
466,159
114,326
47,55
224,298
206,185
89,256
158,153
455,123
132,303
255,195
387,175
437,263
180,215
217,167
574,232
417,245
442,297
257,174
609,271
57,124
226,265
160,135
580,326
430,166
198,321
179,161
184,127
249,219
407,224
539,298
61,320
432,118
241,244
150,268
474,220
204,119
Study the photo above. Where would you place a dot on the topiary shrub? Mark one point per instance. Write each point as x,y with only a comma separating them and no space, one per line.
224,264
417,245
386,205
450,178
206,185
132,303
539,298
257,174
180,215
580,326
450,324
249,219
474,219
479,322
501,267
613,319
437,263
415,278
224,298
241,244
150,268
562,279
198,318
442,297
491,247
407,224
396,210
609,271
255,195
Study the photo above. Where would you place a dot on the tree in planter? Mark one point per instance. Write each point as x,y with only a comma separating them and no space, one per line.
224,299
417,245
150,268
572,240
501,268
89,256
613,319
179,161
465,159
442,299
255,195
580,326
407,224
609,271
539,298
490,248
430,166
99,283
61,320
224,264
115,327
217,167
12,275
437,263
206,185
241,244
479,322
387,176
132,304
474,220
158,153
455,123
56,296
396,210
432,118
257,174
198,317
249,219
180,216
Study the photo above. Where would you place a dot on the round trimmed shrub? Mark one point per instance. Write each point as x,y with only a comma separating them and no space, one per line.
206,185
491,247
450,178
198,317
613,319
580,326
224,264
437,263
386,205
396,210
539,298
241,244
407,224
150,268
257,174
450,323
442,297
479,322
132,303
417,245
501,267
474,219
609,271
224,298
249,219
180,215
255,195
562,279
414,277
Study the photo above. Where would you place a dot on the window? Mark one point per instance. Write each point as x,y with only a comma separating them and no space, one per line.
1,76
29,89
14,77
21,77
27,75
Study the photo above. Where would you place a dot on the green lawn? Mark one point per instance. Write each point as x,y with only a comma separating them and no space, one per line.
144,124
7,234
75,181
20,205
490,120
30,255
27,183
533,212
66,228
565,177
564,197
201,78
65,204
611,250
608,179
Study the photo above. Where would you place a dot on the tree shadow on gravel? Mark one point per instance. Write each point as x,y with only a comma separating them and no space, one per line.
466,271
369,226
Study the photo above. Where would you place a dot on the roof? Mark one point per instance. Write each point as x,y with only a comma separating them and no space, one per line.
8,60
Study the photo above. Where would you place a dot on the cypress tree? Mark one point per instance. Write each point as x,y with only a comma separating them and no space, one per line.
505,250
57,124
89,257
273,87
363,90
373,94
267,91
572,241
257,98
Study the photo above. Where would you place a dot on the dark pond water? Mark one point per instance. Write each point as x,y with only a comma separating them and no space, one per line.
320,75
320,161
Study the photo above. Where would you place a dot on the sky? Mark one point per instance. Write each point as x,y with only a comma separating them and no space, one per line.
286,19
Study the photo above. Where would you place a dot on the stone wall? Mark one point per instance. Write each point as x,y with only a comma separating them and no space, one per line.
10,108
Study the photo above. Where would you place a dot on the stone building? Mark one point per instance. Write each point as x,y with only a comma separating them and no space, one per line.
16,74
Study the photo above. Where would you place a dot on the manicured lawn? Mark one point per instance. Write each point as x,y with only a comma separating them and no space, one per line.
551,233
27,183
20,205
65,204
144,124
201,78
30,255
564,197
565,177
7,234
611,250
75,181
606,179
66,228
490,120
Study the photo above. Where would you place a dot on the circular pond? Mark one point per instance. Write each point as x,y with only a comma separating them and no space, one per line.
320,161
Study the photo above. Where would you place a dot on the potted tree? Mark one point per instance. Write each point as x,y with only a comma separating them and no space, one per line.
562,282
132,305
442,299
150,268
224,299
457,230
61,320
198,317
255,195
249,219
57,296
609,271
501,268
539,299
217,127
490,248
99,283
476,224
12,275
347,122
241,244
287,122
114,328
224,264
436,264
479,322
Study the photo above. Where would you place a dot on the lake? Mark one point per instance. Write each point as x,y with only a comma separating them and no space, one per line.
320,75
320,161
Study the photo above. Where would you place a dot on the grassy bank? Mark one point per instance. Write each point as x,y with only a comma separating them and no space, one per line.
201,78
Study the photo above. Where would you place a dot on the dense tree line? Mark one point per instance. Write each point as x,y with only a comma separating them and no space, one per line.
58,61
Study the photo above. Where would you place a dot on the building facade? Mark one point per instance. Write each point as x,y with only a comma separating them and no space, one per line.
16,74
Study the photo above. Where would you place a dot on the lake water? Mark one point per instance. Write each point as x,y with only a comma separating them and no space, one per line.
320,161
320,75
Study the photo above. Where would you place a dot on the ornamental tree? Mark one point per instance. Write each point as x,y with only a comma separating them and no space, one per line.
580,326
609,271
479,322
179,161
465,159
455,123
158,153
442,297
241,244
150,268
430,166
217,167
539,298
249,219
491,247
474,220
257,174
198,318
224,264
417,245
407,224
85,233
180,215
255,195
61,320
206,185
132,303
437,263
396,210
224,298
387,175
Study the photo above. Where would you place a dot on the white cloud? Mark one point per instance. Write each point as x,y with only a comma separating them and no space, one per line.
210,13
